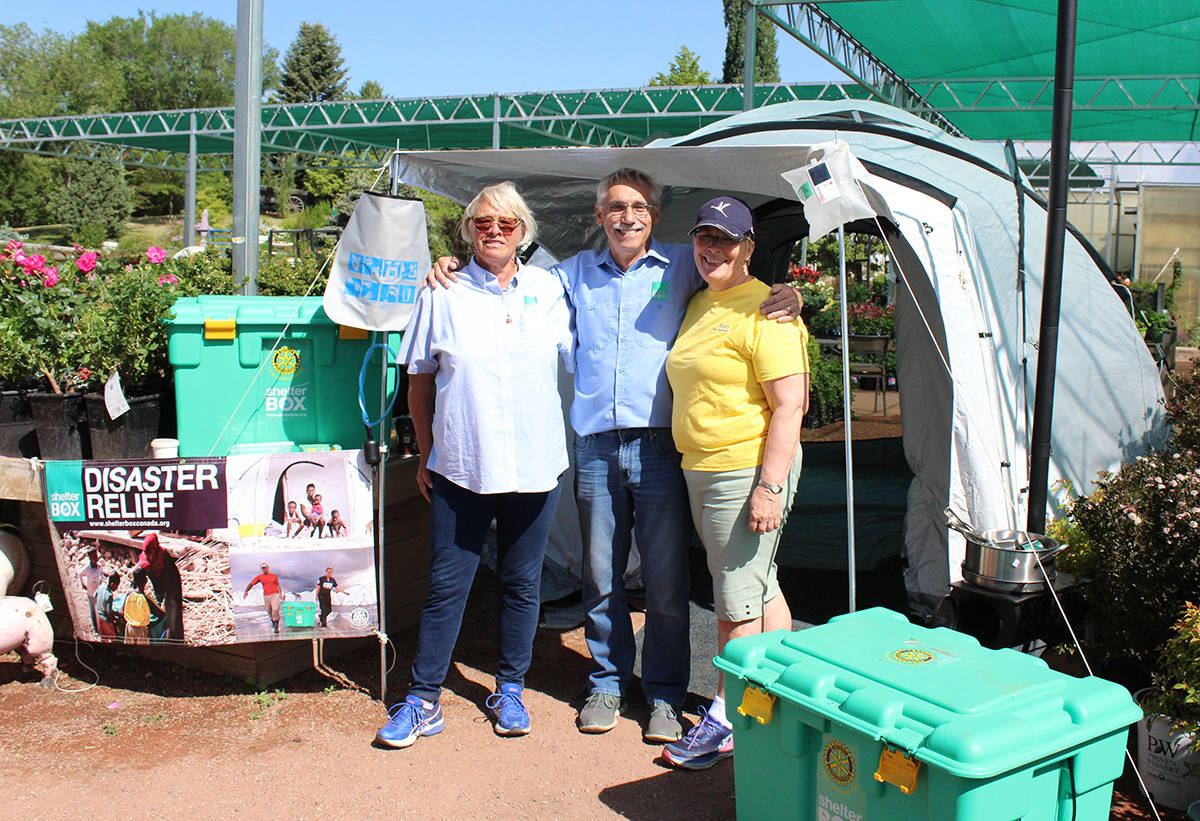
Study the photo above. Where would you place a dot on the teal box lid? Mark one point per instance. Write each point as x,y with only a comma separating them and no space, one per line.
934,693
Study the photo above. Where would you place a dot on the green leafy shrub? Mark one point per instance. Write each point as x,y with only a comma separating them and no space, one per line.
1177,679
1143,523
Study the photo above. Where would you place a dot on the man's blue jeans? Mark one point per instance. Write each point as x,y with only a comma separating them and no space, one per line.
459,524
628,483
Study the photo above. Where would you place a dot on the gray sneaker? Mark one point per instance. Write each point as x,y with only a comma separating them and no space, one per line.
664,726
599,712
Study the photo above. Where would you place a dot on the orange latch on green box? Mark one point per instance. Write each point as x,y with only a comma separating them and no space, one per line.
220,329
899,769
757,704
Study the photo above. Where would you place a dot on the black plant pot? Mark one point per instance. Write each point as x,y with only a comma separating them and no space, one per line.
62,427
128,436
17,434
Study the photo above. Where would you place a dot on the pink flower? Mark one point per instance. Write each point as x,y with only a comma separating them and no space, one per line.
34,264
51,277
168,279
86,262
18,256
155,254
12,246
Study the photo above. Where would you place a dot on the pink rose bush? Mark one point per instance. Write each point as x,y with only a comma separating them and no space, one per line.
70,324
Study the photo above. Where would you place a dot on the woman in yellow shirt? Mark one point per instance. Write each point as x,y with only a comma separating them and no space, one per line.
741,389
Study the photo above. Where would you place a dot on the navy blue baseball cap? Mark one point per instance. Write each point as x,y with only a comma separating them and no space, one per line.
729,214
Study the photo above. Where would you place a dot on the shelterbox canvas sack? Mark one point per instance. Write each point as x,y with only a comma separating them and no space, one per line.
380,264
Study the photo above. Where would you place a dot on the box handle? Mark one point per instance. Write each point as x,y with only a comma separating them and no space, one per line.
757,704
898,769
220,328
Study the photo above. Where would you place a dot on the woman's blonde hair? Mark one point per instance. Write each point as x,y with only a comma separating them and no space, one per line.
504,197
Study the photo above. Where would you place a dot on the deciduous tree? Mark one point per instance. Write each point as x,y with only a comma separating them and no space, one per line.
684,70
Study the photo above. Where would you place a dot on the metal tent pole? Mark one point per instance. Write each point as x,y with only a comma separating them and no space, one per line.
189,187
247,145
750,57
1056,226
847,400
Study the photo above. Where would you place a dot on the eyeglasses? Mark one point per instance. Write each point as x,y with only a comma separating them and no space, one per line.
715,239
640,209
506,224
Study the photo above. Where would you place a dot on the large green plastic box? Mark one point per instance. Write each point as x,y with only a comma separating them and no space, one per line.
235,386
971,733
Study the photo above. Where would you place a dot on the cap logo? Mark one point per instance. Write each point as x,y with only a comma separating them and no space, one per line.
721,206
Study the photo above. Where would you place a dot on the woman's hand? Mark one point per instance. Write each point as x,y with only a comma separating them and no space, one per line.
766,510
424,477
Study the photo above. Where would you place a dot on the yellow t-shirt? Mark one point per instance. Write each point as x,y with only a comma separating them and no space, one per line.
724,350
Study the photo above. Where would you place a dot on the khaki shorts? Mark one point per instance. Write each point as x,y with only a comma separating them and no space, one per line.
742,563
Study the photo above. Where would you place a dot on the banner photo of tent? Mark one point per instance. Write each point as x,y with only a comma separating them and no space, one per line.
380,264
202,552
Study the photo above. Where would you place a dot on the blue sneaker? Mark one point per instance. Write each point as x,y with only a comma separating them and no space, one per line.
704,745
512,718
408,720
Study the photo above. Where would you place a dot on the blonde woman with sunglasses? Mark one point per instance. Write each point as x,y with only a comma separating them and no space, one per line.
483,363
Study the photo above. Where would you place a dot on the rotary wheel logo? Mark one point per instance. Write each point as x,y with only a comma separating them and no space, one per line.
359,617
839,764
911,655
286,361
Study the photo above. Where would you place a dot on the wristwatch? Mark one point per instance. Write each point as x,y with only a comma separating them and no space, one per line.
776,489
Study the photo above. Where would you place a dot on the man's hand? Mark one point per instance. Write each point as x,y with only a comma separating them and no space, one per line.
783,304
442,272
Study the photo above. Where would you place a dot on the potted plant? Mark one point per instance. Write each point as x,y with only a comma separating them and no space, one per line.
1168,752
40,340
123,323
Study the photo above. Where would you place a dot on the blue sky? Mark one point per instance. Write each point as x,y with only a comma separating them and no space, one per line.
476,46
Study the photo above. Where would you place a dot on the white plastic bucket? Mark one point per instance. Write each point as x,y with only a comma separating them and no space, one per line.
164,448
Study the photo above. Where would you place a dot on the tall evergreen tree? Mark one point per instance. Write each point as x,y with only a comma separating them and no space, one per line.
91,195
766,62
313,70
371,90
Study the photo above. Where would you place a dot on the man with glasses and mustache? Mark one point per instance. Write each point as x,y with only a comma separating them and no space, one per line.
629,300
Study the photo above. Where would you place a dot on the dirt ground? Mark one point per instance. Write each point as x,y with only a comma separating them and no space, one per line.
149,739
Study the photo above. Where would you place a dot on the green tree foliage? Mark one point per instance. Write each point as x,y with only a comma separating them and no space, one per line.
371,90
684,70
169,62
46,74
91,193
24,181
766,63
313,71
156,191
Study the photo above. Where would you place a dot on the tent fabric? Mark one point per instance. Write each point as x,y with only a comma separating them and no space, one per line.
967,319
988,65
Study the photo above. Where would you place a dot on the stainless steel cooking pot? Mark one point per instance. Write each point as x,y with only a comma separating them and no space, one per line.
1007,560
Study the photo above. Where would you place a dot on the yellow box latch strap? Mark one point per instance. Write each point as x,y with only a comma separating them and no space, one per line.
757,704
899,769
220,329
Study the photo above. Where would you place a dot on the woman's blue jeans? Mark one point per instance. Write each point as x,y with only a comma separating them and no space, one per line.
628,484
460,521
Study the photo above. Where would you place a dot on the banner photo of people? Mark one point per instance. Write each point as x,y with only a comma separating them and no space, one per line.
244,548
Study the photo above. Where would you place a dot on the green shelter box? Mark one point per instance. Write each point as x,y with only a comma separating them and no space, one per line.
872,718
257,369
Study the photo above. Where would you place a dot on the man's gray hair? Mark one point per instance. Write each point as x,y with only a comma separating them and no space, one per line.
629,176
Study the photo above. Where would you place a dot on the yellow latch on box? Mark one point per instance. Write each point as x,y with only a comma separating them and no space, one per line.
220,329
348,332
757,704
899,769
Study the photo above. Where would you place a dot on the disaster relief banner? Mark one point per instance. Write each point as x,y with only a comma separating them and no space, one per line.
239,549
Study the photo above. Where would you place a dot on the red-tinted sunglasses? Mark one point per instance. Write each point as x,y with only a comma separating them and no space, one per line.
506,224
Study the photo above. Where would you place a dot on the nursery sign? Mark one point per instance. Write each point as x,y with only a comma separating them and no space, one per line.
267,547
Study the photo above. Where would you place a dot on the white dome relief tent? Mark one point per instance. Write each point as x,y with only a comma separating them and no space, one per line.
966,319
